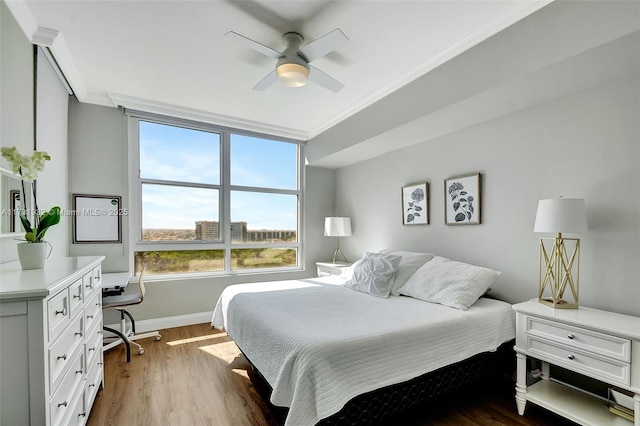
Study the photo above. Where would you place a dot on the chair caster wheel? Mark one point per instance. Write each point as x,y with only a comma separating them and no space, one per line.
158,338
140,351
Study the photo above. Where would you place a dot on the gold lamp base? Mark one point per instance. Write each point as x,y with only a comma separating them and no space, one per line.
557,274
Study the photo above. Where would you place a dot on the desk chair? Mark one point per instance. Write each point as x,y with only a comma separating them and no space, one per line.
127,336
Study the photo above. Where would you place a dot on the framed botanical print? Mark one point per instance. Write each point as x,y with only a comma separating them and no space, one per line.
462,200
415,204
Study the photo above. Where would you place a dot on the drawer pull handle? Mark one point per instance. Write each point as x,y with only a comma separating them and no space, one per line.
62,356
92,349
571,357
62,404
571,336
92,385
78,333
63,311
76,296
90,316
78,371
99,363
82,415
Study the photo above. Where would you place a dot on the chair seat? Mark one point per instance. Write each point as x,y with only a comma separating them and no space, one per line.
121,300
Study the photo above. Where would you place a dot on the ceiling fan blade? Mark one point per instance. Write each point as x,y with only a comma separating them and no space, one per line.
325,44
325,80
265,50
271,78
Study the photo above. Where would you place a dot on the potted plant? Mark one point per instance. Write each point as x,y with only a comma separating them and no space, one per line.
32,252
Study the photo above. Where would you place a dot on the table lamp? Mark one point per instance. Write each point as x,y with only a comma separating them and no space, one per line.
556,265
337,227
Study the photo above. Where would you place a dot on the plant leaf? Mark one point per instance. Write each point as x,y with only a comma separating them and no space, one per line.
25,223
456,206
410,218
418,208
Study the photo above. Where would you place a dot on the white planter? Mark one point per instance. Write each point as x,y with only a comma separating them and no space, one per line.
33,255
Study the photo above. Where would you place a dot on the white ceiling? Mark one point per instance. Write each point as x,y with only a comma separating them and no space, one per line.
172,57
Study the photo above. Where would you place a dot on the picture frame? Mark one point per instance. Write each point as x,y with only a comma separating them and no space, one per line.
97,219
15,224
415,204
462,200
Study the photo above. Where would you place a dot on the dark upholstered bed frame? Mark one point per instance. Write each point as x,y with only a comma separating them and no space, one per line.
385,403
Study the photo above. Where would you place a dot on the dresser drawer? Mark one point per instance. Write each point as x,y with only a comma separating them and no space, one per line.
94,343
62,351
93,311
580,361
94,379
591,341
78,414
58,314
89,285
61,402
76,297
97,277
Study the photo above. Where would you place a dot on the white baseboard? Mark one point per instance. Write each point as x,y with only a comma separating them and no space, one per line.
142,326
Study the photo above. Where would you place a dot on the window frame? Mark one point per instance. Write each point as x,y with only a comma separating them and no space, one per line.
225,188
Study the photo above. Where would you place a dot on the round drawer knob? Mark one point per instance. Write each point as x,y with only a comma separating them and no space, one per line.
571,357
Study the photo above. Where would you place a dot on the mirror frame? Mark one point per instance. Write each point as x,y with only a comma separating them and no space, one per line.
5,172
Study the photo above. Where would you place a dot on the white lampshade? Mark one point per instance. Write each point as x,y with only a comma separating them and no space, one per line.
561,215
337,227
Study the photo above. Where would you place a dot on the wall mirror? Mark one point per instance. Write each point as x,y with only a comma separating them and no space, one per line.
10,203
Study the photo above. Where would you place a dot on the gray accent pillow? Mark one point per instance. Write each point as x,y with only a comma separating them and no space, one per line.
374,274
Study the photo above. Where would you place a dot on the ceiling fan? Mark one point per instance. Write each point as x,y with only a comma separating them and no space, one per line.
293,68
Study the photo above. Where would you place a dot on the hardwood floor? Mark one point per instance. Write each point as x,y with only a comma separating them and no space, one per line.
197,376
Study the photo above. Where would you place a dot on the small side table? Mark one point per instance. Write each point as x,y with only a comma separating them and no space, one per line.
325,269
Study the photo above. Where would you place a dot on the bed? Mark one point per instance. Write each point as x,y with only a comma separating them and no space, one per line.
321,344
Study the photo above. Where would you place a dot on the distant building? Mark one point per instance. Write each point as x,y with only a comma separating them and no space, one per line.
271,235
209,230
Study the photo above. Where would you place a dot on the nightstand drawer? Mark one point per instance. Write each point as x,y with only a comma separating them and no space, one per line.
591,341
580,361
326,269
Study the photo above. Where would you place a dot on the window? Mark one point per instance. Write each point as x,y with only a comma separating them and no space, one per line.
211,199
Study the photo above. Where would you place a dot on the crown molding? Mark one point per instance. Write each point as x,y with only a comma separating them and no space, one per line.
44,36
52,39
186,113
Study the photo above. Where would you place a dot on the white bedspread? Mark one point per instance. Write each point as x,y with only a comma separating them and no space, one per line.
320,344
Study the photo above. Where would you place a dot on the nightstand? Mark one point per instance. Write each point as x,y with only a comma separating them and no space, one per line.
598,344
324,269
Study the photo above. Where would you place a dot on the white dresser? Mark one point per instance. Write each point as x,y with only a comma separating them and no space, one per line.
51,364
598,344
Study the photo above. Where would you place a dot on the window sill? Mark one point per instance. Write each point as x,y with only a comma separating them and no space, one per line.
221,274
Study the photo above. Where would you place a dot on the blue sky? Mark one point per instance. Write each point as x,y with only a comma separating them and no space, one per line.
187,155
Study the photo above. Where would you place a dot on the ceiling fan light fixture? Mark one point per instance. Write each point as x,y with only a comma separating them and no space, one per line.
292,74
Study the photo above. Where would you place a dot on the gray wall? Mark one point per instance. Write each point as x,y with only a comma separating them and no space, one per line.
584,145
16,99
99,165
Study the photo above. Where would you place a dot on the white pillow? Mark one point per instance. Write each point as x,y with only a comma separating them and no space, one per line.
374,273
449,283
409,264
